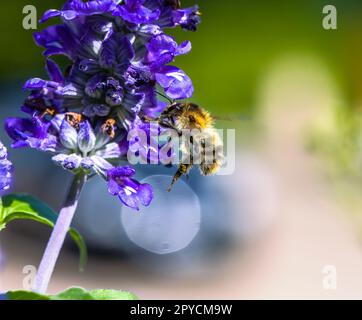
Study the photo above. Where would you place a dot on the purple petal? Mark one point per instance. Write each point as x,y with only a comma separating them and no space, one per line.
89,66
176,83
111,151
35,83
113,188
6,169
71,91
101,166
87,163
95,86
161,51
75,8
54,71
134,195
130,199
134,12
121,172
133,102
31,133
184,48
150,30
59,159
69,14
68,135
145,194
116,52
101,110
93,7
72,162
86,137
188,18
114,97
56,40
50,14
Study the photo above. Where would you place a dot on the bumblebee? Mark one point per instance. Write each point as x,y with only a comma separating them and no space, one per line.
204,146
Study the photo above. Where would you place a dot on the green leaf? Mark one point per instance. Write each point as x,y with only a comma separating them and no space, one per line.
25,295
21,206
103,294
73,294
83,252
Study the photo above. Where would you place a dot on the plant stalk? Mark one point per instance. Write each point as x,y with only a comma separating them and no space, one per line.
58,235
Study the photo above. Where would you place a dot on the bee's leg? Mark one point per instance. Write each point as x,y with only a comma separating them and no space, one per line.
190,165
166,125
164,117
160,120
182,170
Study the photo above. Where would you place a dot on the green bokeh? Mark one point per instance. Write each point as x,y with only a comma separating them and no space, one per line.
235,45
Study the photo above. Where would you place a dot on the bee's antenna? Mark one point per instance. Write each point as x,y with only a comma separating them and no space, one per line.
164,96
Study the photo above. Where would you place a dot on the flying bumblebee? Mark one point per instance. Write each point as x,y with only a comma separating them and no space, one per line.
204,147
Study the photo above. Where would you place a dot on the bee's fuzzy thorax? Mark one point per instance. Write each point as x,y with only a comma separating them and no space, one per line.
206,120
195,118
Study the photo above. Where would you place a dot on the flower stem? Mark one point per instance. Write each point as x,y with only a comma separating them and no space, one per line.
58,235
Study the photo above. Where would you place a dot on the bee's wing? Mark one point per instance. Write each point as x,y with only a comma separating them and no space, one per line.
239,117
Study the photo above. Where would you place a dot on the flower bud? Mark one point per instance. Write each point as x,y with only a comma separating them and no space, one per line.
100,110
86,137
72,162
68,135
87,164
94,87
114,97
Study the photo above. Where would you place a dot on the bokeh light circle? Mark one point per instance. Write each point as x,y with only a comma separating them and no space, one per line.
170,223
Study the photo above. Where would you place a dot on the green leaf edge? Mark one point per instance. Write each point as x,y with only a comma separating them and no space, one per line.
24,215
74,293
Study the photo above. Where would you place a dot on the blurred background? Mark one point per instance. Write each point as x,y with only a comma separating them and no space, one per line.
293,205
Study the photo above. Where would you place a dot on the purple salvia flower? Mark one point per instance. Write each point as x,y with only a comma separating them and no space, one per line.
75,8
31,132
134,11
175,82
6,170
131,193
163,49
86,138
188,18
119,54
68,135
